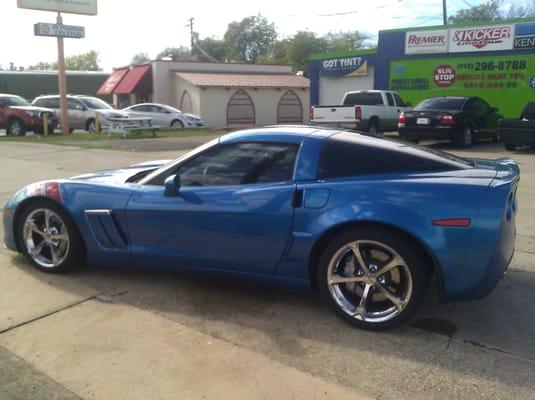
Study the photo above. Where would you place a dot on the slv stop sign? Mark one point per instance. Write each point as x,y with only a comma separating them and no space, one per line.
444,75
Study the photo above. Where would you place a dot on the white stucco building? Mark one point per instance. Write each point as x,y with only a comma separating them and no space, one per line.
223,94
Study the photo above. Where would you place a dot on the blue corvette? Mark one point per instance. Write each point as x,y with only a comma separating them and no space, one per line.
365,221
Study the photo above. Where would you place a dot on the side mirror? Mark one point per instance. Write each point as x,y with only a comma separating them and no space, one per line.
172,185
408,104
494,109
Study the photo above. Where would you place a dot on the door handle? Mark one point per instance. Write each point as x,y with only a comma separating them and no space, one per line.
297,198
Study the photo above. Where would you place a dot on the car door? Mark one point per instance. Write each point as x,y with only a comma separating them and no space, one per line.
3,119
76,112
160,116
233,210
482,115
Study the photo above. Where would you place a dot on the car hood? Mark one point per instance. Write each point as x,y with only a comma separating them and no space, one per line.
192,116
33,108
122,175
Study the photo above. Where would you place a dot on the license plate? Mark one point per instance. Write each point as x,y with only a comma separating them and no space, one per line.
422,121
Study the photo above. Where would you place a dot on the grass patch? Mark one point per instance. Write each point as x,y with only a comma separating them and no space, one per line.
81,138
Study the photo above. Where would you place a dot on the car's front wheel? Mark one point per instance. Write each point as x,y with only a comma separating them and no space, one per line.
16,127
373,278
49,238
177,124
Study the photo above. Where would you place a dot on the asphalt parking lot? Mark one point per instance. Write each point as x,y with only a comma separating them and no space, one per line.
102,333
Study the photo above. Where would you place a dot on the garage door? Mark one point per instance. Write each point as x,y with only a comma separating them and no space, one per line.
240,109
290,110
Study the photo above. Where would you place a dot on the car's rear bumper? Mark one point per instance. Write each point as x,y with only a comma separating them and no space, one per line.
518,136
427,132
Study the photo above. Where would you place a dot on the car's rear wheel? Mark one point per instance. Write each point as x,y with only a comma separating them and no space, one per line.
16,127
373,127
374,279
465,137
177,124
49,238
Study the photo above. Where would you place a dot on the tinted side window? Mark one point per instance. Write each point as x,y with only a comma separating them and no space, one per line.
399,100
363,99
53,102
40,103
343,156
74,104
237,164
529,111
390,99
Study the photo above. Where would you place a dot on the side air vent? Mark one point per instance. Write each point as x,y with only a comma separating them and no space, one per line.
105,229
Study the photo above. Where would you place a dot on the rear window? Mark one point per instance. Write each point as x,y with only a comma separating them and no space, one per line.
363,99
440,103
350,154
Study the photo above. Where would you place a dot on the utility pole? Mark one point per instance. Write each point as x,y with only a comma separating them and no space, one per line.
190,25
445,12
62,83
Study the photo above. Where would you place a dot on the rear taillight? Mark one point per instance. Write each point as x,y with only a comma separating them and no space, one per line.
402,120
447,120
311,113
357,113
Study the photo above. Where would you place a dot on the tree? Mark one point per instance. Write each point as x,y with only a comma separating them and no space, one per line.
40,66
80,62
346,41
210,47
181,53
301,46
249,39
140,58
492,10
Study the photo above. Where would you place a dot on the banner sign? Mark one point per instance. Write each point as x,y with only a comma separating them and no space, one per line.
56,30
525,36
506,82
426,42
485,38
86,7
346,66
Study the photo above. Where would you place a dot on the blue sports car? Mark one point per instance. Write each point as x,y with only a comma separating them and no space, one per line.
367,222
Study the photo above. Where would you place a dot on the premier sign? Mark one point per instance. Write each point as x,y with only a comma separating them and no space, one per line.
488,38
57,30
85,7
426,42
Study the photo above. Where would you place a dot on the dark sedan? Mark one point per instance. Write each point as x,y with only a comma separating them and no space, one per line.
463,120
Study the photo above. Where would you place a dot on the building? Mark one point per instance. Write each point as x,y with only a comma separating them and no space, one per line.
495,61
30,84
223,94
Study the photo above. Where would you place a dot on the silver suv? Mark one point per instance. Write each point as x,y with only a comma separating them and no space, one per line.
82,110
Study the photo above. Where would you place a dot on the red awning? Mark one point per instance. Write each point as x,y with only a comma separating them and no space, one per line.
138,80
113,80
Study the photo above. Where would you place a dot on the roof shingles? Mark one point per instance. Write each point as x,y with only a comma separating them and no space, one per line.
245,80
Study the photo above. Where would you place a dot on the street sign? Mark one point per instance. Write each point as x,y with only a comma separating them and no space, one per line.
86,7
57,30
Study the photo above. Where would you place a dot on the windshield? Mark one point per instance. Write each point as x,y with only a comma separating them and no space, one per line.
14,101
173,109
96,104
441,103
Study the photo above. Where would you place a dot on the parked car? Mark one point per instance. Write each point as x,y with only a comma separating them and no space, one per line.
296,205
17,116
519,132
366,110
82,110
462,120
164,115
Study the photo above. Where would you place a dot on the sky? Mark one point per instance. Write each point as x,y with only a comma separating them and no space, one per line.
124,28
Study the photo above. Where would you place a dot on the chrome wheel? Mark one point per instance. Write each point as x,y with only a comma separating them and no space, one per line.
369,281
176,124
46,238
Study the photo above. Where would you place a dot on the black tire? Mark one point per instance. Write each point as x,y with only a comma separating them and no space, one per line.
91,126
414,270
177,124
510,147
373,127
465,137
16,127
74,252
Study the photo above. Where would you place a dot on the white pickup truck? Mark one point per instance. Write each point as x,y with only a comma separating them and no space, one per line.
365,110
